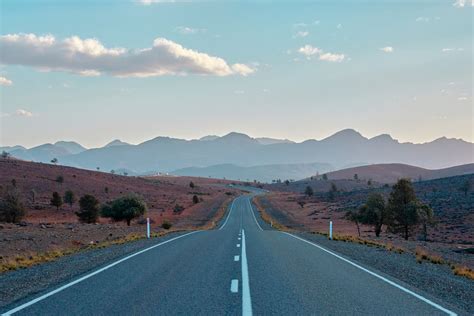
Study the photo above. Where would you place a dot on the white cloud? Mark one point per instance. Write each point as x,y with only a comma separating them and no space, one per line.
422,19
149,2
90,57
186,30
25,113
447,50
310,51
301,34
5,82
339,26
301,24
463,3
387,49
336,58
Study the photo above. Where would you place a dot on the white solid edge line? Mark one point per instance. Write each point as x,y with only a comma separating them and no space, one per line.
228,215
251,210
246,299
234,286
236,258
36,300
424,299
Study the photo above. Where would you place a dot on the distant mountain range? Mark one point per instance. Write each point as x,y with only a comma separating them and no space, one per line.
263,173
165,154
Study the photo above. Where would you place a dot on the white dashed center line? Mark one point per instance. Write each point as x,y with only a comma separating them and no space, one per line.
234,286
238,245
236,258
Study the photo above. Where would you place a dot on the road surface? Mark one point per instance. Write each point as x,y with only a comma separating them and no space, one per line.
242,268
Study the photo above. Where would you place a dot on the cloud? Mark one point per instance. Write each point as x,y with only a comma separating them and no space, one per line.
5,82
387,49
463,3
422,19
339,26
310,51
24,113
89,57
447,50
188,30
149,2
301,34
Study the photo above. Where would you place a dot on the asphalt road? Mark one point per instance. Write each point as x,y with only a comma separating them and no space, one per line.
242,268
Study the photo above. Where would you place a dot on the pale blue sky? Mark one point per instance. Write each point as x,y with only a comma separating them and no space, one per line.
398,67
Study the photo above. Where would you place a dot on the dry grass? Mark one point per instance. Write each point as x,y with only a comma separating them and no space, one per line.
423,255
218,216
463,271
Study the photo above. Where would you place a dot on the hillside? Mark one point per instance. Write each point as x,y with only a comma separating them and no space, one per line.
265,173
390,173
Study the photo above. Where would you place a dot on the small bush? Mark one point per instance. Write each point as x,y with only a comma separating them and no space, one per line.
60,179
89,209
195,199
191,185
178,208
166,225
12,209
56,200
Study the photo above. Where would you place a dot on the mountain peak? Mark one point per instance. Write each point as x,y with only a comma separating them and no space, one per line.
116,142
383,138
346,134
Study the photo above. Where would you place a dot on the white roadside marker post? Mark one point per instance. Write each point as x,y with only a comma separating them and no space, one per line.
330,230
148,227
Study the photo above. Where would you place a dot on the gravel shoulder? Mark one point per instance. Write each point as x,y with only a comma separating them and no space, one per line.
436,280
17,286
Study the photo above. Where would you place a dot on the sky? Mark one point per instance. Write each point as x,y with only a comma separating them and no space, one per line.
93,71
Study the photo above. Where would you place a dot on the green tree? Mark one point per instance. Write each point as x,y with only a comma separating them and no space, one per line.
69,197
5,154
356,177
465,187
426,218
332,191
60,179
56,200
325,177
402,208
354,216
308,191
374,212
287,182
191,185
54,160
125,208
88,209
12,209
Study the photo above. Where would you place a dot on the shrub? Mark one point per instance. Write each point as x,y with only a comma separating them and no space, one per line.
125,208
56,200
12,209
60,179
178,208
69,197
308,191
166,225
191,185
88,209
195,199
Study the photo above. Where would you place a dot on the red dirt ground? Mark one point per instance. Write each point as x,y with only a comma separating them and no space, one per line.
45,228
